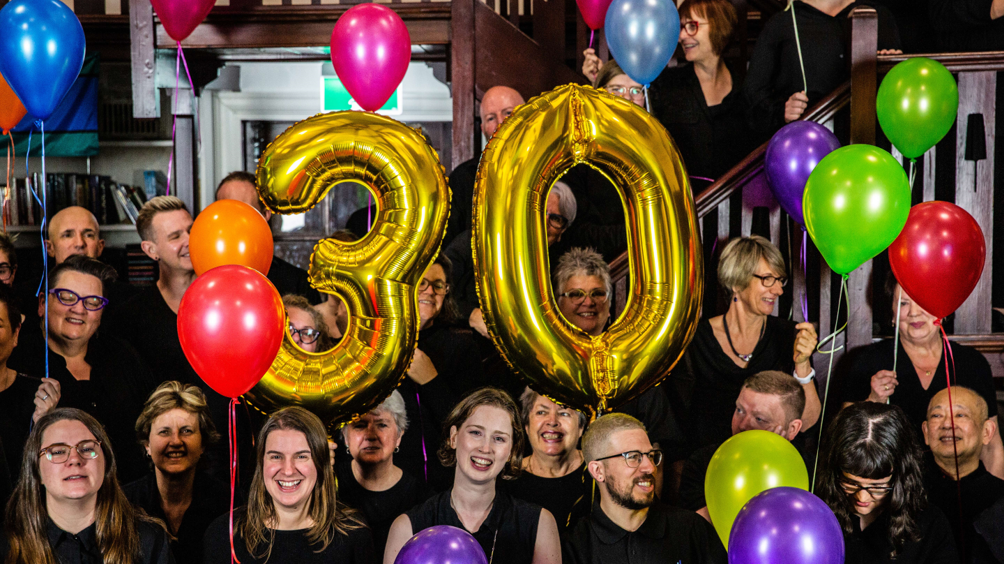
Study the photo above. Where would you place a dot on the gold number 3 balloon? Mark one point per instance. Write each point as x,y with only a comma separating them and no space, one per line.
533,148
377,275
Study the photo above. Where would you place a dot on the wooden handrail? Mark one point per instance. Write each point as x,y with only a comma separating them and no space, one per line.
954,62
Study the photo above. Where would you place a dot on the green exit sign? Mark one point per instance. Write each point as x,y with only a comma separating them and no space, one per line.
335,98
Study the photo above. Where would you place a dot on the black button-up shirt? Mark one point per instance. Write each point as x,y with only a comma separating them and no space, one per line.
82,548
668,536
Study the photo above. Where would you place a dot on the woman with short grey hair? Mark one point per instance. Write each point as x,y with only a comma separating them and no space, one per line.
372,483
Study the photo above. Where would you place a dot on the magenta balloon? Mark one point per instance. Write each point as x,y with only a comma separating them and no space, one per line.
181,17
441,544
792,153
786,526
371,49
594,12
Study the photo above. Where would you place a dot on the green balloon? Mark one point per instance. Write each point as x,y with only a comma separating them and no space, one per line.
745,466
917,104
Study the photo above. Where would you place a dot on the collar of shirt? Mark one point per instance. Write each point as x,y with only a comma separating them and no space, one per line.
86,541
609,532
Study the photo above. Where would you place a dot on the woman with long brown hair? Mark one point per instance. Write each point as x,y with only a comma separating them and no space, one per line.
68,506
292,514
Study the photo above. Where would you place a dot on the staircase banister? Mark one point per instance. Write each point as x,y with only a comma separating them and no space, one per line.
954,62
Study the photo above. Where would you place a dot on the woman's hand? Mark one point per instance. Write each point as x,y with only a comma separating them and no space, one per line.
46,398
422,371
591,66
795,106
890,52
805,344
883,385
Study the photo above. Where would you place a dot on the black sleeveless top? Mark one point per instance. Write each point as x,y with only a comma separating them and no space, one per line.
511,526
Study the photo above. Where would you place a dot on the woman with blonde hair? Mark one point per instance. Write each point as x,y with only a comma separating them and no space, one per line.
68,506
292,514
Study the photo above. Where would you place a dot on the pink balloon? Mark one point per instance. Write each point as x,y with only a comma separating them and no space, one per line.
594,12
371,49
181,17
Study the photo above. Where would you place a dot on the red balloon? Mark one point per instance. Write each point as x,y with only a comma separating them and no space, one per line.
230,232
230,324
371,49
594,12
181,17
12,111
939,256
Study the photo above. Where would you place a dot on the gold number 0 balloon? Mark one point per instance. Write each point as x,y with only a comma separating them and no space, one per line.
376,275
537,144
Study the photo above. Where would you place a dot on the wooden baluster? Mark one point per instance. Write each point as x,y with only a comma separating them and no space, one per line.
462,77
974,191
514,12
145,96
820,361
549,27
798,288
930,158
723,223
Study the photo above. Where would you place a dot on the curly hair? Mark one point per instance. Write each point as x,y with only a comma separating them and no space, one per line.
873,440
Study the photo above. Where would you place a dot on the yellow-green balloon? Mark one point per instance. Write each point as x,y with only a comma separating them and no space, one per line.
744,466
917,104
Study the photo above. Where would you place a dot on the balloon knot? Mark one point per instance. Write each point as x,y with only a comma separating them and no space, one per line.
38,123
937,322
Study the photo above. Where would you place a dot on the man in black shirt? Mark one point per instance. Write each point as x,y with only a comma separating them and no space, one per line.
287,278
978,488
628,524
968,25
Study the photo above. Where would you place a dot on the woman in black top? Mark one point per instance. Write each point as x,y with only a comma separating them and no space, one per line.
292,515
486,440
68,506
920,371
746,340
372,483
870,475
175,428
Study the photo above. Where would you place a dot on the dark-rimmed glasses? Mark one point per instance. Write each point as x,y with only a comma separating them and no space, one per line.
557,221
6,271
307,335
59,453
633,457
70,298
578,295
769,280
619,90
852,488
439,287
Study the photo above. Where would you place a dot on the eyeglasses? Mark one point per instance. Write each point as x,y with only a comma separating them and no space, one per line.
439,287
769,280
557,221
578,295
307,335
691,27
59,453
70,298
633,457
6,271
852,488
621,90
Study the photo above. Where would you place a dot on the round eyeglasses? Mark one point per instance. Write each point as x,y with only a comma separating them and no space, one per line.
307,335
439,287
619,90
59,453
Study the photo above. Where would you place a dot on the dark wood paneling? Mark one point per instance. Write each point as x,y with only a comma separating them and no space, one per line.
549,26
463,67
144,88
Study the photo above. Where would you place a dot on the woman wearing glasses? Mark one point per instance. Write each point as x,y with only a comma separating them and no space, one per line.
68,506
748,339
306,325
486,442
97,372
870,474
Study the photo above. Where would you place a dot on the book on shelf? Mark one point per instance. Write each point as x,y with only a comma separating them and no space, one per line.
154,184
125,202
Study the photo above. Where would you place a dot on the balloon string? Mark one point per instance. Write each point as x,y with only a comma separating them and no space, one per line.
195,113
369,212
232,424
895,349
421,428
913,172
798,45
6,192
174,117
648,105
829,371
805,275
706,179
592,35
949,371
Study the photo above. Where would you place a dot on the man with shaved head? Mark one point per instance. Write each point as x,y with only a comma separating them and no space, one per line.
948,477
74,231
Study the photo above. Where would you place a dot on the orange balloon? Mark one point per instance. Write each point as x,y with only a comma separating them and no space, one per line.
11,109
230,232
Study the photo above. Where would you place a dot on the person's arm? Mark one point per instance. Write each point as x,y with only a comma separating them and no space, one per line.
993,453
805,344
997,9
399,534
547,548
765,107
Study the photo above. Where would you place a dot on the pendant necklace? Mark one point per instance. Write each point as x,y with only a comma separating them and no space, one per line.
743,357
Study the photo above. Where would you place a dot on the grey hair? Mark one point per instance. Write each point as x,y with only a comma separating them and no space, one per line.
581,262
740,259
394,405
567,204
529,397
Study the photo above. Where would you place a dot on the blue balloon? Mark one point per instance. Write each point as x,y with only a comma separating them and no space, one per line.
41,52
642,35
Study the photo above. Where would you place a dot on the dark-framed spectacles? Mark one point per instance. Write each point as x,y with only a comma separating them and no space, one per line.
439,287
691,27
557,221
769,280
70,298
619,90
307,335
852,488
633,457
59,453
578,295
6,271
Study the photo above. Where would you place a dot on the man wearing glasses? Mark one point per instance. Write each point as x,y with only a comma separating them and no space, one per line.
630,525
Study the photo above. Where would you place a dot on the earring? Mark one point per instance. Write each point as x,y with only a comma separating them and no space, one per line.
735,298
347,451
398,449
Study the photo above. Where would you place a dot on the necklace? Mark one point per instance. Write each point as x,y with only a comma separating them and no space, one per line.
490,506
728,337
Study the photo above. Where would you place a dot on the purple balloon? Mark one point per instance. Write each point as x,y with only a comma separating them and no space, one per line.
792,153
442,544
786,526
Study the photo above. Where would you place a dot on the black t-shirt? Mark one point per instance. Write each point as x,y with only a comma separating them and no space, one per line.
971,370
668,535
82,548
965,25
210,499
568,498
291,279
381,508
654,410
979,489
508,534
17,405
461,180
288,547
872,545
